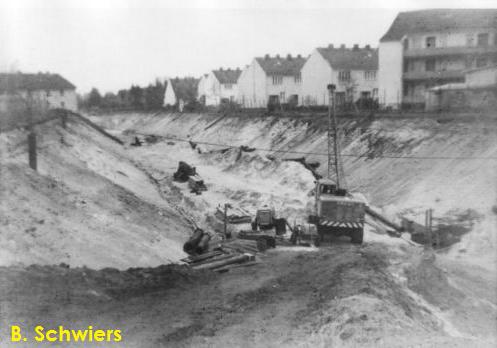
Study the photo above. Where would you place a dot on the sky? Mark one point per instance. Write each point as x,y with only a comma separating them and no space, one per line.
111,44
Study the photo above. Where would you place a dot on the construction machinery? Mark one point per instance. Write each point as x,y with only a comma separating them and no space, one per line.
335,212
265,219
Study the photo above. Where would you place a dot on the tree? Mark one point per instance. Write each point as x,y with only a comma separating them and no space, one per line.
136,97
94,98
154,96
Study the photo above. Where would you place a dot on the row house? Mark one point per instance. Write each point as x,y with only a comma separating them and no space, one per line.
271,81
428,48
219,86
44,90
180,92
352,70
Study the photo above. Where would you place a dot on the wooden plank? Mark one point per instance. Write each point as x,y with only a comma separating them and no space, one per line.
229,261
238,265
197,258
213,259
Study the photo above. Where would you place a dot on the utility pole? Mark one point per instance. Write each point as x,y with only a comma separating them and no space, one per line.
429,230
227,234
31,135
332,136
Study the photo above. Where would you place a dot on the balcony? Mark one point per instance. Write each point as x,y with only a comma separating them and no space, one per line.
453,75
449,51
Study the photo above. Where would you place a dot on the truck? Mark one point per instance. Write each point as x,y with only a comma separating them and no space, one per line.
336,213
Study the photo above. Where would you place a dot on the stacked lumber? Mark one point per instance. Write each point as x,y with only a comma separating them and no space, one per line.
235,215
218,259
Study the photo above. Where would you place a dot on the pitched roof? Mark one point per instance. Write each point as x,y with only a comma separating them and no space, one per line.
439,20
185,88
350,59
227,76
288,66
10,82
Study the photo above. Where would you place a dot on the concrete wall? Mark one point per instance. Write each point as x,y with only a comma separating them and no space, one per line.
481,77
462,99
390,74
252,86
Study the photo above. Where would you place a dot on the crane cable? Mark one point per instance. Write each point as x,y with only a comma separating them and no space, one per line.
367,156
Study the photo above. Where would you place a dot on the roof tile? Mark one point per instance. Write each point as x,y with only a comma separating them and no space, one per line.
289,66
350,59
227,76
10,82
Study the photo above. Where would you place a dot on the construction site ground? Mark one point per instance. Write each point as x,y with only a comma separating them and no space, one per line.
341,295
102,210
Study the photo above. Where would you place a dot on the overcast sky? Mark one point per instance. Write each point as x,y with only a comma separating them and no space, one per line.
110,44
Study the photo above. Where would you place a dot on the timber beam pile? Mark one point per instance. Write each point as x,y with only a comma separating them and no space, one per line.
219,260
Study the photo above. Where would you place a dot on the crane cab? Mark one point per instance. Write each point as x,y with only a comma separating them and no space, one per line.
336,213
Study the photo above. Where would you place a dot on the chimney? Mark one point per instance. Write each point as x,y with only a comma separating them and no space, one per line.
356,47
278,56
221,69
299,56
266,57
368,47
229,69
342,46
330,46
289,56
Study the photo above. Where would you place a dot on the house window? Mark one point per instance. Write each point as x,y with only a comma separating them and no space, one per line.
370,75
482,40
430,65
277,80
282,97
48,93
344,76
365,95
298,78
405,89
61,92
431,42
228,86
481,62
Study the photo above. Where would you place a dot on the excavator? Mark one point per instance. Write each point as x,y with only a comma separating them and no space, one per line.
335,211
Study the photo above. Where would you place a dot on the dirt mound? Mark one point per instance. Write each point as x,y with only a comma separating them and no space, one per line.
86,205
